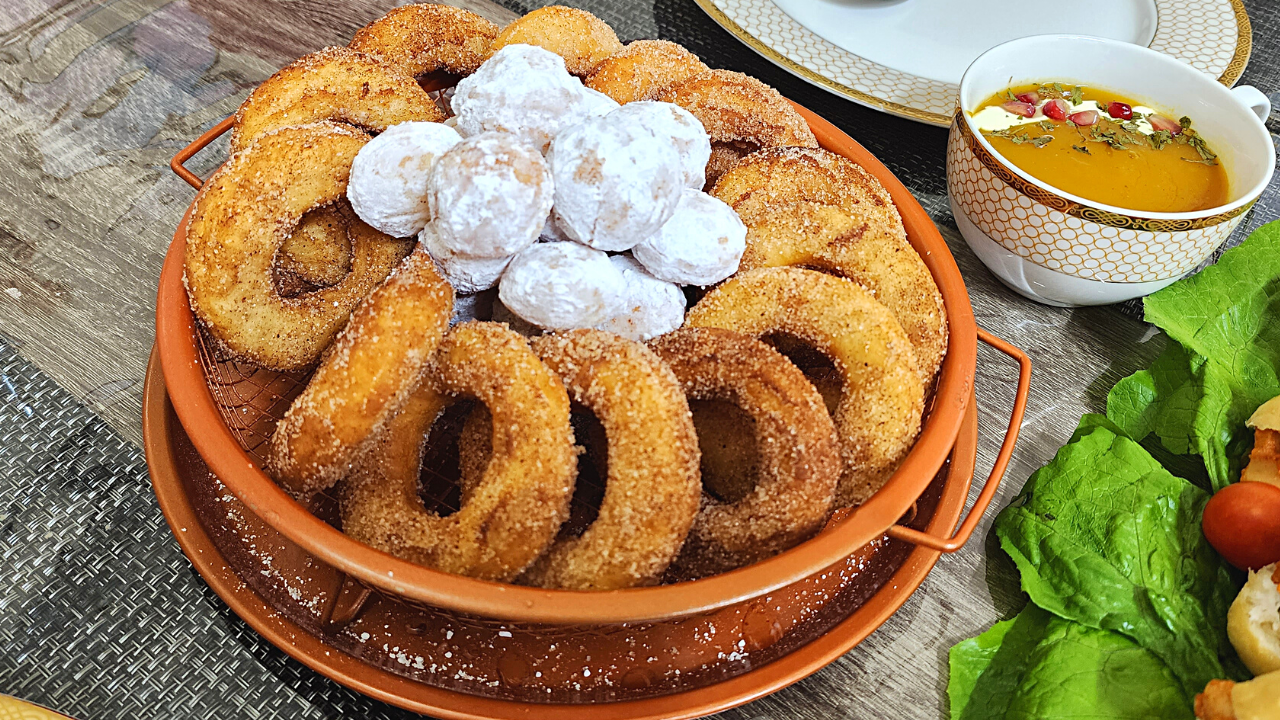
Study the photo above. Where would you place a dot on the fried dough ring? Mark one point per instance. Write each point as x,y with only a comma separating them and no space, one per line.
243,215
816,209
643,68
739,110
723,157
582,39
418,39
882,398
370,370
799,455
652,492
336,84
318,253
514,512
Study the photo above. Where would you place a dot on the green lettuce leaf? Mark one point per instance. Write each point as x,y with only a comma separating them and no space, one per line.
969,659
1040,666
1223,363
1105,536
1187,402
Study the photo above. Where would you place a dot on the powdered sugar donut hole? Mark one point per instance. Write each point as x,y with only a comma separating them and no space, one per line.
524,90
701,244
593,103
674,124
562,285
490,195
388,185
652,307
466,274
616,182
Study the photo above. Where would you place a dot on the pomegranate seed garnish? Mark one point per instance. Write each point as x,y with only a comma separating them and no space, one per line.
1030,97
1160,122
1120,110
1017,107
1055,109
1084,118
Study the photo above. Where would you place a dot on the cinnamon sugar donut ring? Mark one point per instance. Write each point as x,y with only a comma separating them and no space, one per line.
318,253
642,68
373,365
582,39
513,512
337,84
723,157
651,495
244,214
882,394
739,110
813,208
419,39
799,456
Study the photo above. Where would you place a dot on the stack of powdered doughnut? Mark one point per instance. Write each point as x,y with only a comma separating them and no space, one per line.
596,186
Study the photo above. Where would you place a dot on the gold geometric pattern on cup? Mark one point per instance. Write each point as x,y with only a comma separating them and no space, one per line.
1067,243
1078,209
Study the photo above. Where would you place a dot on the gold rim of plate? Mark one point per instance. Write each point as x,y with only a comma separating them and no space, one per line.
1228,76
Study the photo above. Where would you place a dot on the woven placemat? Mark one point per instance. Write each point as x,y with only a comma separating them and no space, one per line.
102,617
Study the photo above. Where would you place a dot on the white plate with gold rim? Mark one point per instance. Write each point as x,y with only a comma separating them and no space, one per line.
905,57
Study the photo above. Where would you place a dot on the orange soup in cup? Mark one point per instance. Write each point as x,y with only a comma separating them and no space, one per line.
1103,147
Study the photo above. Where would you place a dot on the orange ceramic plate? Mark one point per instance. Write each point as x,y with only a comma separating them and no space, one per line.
164,440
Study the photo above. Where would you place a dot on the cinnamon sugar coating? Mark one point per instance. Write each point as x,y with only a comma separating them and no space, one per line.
652,492
513,512
737,108
643,68
363,380
419,39
799,456
582,39
243,216
813,208
336,84
882,394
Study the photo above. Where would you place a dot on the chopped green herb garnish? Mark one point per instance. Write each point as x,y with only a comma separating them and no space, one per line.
1021,138
1077,95
1082,149
1185,122
1160,138
1201,148
1046,125
1009,94
1131,126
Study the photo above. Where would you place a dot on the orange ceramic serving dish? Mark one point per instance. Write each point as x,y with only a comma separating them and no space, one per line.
188,383
458,647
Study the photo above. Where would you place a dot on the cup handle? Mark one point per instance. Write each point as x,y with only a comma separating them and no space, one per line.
1253,98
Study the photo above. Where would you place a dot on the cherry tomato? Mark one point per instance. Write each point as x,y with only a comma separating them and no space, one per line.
1242,522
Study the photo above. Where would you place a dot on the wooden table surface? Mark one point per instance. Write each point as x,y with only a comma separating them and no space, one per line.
98,95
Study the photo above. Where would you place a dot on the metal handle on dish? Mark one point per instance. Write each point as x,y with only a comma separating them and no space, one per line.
961,535
185,154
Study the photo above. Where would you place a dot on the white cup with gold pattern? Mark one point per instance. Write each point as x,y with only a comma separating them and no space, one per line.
1060,249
